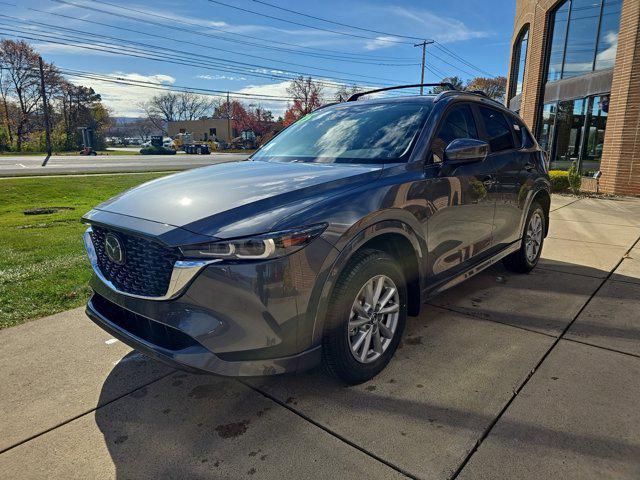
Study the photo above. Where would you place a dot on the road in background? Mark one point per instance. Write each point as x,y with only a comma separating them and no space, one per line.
18,166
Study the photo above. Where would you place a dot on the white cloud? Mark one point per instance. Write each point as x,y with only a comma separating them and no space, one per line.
382,41
124,100
440,28
219,77
76,49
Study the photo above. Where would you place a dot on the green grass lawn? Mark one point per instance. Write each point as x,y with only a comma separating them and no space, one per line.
43,268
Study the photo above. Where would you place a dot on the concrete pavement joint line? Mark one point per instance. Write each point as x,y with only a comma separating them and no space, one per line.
536,367
551,269
61,424
330,432
566,205
581,342
478,317
589,241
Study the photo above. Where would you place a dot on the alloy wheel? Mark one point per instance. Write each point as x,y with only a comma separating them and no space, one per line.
533,237
373,319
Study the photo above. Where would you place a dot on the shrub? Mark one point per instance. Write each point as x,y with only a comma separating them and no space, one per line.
157,151
575,178
559,180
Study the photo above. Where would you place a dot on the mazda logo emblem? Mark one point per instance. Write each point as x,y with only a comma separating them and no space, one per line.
113,248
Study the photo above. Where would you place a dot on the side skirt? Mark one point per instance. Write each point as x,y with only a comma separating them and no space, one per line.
448,283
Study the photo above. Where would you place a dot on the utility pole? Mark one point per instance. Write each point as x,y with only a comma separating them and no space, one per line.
45,106
424,54
229,120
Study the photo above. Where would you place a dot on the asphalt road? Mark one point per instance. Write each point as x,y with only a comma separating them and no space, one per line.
18,166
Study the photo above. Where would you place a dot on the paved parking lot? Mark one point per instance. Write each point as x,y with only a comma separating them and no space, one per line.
506,376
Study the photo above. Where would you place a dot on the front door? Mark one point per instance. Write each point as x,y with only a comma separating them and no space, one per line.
459,228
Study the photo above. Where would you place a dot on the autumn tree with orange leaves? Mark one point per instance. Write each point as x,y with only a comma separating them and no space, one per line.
307,96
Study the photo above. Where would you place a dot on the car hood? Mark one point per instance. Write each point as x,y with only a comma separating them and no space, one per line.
237,198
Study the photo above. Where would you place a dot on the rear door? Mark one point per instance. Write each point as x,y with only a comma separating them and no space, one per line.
507,162
459,229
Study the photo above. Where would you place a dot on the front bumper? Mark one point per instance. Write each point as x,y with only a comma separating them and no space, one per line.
236,319
181,351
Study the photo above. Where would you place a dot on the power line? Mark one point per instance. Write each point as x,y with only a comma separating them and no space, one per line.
460,59
334,22
139,32
327,53
165,87
309,26
132,53
244,65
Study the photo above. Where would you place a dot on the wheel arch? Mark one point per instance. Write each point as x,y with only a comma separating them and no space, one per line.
395,238
543,197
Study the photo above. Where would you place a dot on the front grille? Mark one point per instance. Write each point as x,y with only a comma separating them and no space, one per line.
155,333
147,265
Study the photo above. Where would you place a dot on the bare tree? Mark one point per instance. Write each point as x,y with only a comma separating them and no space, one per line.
21,62
192,106
144,128
344,92
7,106
170,107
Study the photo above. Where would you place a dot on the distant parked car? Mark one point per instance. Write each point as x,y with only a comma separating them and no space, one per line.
317,249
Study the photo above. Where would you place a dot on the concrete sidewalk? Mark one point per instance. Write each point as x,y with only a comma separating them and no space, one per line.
505,376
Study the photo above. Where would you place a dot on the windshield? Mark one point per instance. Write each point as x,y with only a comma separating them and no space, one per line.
350,133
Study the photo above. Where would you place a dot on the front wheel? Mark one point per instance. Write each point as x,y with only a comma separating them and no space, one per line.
366,317
526,257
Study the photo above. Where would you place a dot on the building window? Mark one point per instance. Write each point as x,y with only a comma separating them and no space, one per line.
521,60
584,38
573,130
212,132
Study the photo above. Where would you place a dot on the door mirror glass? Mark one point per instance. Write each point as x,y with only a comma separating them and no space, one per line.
464,150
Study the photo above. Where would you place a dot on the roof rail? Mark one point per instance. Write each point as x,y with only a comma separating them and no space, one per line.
478,92
356,96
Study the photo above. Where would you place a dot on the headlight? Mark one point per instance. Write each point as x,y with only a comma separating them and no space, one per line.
268,245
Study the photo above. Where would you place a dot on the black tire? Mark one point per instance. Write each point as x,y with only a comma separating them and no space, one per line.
518,261
337,357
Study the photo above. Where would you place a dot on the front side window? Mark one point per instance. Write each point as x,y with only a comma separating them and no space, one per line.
497,129
458,123
350,133
584,38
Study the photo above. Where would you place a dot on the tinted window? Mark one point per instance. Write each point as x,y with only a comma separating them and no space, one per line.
350,133
458,123
522,135
498,131
577,25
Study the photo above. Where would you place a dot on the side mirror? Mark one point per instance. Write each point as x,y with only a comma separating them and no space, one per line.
466,150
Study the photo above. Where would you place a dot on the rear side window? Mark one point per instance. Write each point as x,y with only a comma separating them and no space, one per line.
498,131
522,135
458,123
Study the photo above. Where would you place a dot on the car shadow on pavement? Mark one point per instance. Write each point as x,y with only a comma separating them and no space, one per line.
198,426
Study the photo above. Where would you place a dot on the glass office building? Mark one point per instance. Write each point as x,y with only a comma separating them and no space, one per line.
562,75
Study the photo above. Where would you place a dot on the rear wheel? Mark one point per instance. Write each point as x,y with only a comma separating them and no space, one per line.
526,258
365,318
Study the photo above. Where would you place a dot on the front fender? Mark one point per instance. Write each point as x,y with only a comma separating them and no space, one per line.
365,231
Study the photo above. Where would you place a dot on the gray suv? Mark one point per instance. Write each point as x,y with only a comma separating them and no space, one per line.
317,248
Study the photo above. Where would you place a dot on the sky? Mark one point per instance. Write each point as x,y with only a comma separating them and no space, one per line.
212,46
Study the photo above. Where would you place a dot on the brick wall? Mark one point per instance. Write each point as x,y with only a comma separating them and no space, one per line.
621,151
